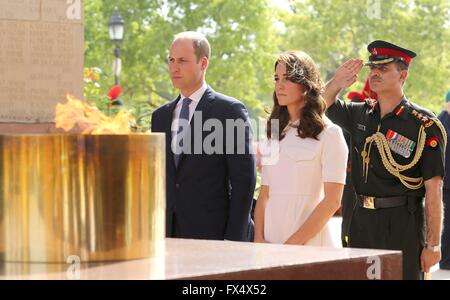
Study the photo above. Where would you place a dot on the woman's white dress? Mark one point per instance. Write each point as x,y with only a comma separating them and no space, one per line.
295,172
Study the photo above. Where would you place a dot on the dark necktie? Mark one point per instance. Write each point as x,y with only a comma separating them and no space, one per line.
183,119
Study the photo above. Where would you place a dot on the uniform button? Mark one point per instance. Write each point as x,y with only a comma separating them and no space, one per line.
177,185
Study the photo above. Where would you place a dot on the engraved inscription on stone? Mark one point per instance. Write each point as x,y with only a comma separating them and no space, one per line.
40,62
20,9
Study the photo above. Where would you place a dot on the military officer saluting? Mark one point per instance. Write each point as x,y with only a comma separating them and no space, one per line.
398,160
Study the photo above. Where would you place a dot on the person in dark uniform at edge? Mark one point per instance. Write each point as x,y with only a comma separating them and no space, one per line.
349,195
398,159
444,117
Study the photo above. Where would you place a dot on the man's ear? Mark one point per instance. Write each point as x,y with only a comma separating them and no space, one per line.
204,62
404,75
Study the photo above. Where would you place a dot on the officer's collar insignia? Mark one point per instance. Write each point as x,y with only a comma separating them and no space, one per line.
399,111
426,121
432,142
400,144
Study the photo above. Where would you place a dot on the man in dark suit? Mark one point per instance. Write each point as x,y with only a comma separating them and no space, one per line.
210,168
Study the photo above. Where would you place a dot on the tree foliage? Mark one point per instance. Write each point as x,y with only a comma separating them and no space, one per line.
239,33
245,37
332,31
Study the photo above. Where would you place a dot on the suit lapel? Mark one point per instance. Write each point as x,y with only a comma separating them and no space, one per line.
203,106
205,102
171,107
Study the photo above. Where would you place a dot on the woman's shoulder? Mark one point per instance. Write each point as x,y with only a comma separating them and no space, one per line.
331,128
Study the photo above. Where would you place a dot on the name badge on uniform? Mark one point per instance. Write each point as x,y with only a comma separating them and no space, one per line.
361,127
400,144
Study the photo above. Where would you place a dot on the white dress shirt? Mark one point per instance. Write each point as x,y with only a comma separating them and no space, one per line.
195,97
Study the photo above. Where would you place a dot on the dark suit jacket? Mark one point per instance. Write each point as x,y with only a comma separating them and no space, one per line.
209,195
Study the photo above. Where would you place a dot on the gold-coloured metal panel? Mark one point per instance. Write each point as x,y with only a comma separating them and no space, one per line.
98,197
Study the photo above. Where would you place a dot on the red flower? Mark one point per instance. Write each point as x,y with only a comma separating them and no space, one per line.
114,92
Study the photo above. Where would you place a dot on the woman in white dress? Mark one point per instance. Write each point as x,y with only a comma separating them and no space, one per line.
303,178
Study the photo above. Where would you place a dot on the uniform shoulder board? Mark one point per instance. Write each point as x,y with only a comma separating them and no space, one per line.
428,119
424,116
424,119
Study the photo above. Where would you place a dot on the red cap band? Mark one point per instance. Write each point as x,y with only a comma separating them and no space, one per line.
391,52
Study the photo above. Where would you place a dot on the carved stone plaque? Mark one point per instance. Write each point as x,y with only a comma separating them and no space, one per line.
41,57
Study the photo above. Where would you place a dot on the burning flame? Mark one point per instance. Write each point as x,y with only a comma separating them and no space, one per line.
90,119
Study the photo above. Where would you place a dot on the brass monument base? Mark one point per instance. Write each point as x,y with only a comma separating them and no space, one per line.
92,197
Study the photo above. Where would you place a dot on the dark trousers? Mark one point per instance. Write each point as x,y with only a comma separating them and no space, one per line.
348,205
445,242
177,232
397,228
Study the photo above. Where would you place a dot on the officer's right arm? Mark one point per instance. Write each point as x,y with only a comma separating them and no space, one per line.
342,113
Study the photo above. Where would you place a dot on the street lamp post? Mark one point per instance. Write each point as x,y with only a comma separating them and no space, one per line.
116,32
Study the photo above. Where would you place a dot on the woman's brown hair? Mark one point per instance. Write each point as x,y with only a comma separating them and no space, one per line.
301,69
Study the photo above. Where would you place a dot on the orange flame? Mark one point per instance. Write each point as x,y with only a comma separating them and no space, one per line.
90,119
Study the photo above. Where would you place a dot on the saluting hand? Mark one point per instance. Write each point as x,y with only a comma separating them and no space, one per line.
347,73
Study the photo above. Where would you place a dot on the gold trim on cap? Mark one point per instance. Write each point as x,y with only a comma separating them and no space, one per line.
380,62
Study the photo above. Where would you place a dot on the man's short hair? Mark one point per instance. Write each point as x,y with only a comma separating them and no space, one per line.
199,42
401,66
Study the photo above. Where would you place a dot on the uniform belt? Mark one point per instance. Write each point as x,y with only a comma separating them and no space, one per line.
381,202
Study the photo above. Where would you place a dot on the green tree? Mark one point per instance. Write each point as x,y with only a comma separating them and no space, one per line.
239,32
332,31
245,39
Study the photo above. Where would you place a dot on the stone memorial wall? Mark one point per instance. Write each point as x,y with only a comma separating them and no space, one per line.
41,60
